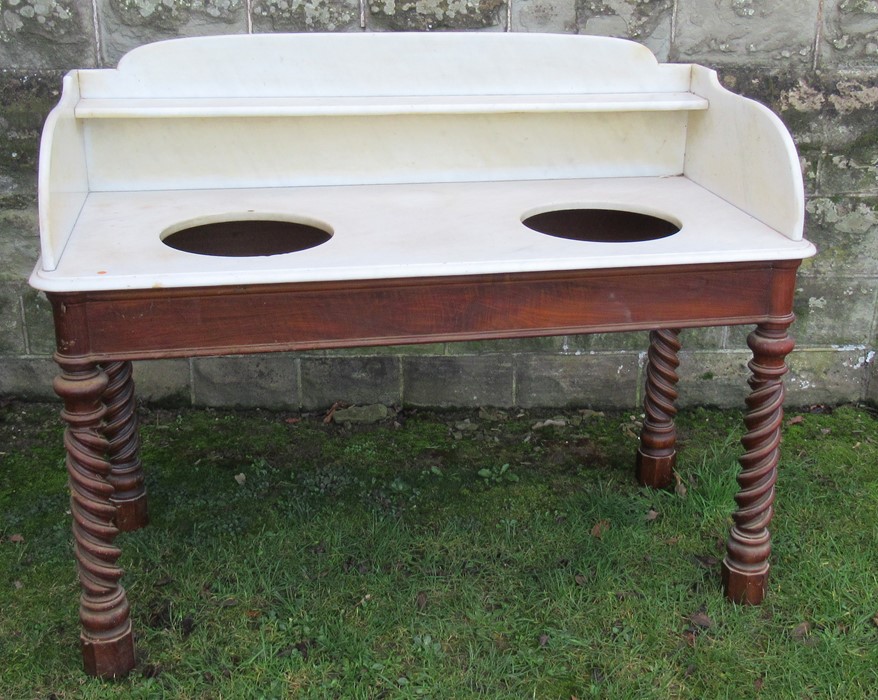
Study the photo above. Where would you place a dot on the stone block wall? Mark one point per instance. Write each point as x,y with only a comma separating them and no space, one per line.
815,62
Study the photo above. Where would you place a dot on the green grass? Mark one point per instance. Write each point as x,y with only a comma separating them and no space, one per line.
439,558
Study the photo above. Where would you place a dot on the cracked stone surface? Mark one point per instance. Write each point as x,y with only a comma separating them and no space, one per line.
126,24
46,34
845,231
645,21
25,100
426,15
778,32
305,15
557,16
850,34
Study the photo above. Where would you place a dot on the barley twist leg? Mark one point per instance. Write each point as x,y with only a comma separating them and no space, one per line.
121,431
657,453
745,567
107,644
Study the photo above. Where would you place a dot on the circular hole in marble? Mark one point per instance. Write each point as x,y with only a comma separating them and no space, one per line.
601,225
247,238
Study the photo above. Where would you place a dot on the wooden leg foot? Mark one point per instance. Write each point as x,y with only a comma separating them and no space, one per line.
745,568
746,586
657,455
123,437
656,472
108,658
132,514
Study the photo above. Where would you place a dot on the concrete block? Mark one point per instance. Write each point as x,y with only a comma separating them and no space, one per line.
595,380
38,322
646,21
11,323
459,380
547,344
163,382
354,380
305,15
763,32
268,380
871,377
637,341
852,168
555,16
834,310
45,34
19,243
845,231
713,379
393,350
125,24
691,338
850,34
27,378
428,15
25,99
828,376
832,375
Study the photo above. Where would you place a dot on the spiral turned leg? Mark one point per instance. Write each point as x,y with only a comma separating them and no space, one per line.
107,644
657,453
745,567
120,429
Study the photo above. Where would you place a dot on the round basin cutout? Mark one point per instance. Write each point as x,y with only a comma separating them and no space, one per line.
601,225
247,238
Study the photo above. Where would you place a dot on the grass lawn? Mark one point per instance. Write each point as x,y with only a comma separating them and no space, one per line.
449,555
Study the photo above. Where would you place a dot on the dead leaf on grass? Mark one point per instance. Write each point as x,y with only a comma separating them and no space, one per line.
501,642
758,683
240,478
544,640
327,419
680,488
16,538
600,528
421,600
801,631
795,420
652,515
707,561
580,579
701,620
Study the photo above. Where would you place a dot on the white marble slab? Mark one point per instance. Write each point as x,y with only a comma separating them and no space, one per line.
399,231
421,151
384,105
